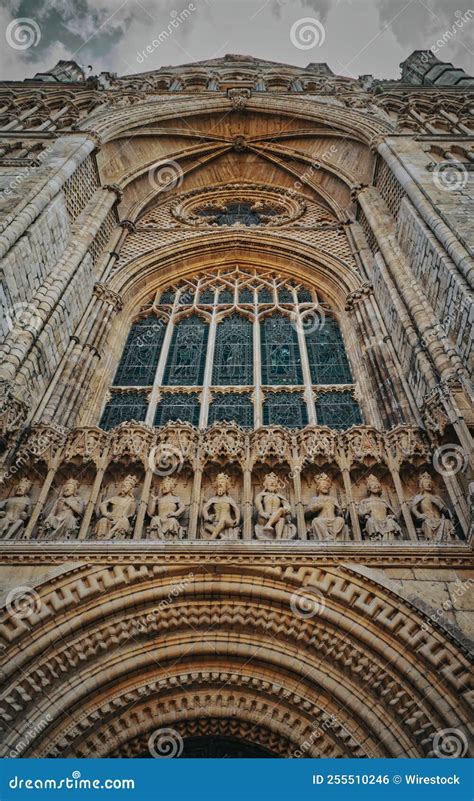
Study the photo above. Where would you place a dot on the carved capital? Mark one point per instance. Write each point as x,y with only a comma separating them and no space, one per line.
103,292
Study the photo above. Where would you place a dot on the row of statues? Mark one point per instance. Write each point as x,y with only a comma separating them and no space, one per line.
221,516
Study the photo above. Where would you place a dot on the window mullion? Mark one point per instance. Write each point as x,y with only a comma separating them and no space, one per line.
257,372
211,343
308,385
150,415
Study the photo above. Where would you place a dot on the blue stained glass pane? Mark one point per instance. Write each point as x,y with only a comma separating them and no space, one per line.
233,356
241,213
124,407
246,295
167,297
265,295
206,296
327,356
231,407
226,296
281,361
141,353
285,295
338,410
285,409
187,355
186,297
182,406
304,295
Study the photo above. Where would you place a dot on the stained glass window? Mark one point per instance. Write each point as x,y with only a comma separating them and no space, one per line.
338,410
281,361
226,296
233,355
326,354
123,407
187,354
304,295
207,296
176,406
285,295
231,407
167,296
141,353
246,295
265,295
285,409
186,297
241,213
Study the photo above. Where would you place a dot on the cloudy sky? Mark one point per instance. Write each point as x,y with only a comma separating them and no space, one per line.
354,37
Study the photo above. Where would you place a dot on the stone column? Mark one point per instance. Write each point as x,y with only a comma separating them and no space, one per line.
99,477
195,506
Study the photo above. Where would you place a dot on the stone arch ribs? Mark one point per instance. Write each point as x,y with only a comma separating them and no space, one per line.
97,653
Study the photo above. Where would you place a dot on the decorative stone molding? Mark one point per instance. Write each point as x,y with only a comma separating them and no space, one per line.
103,292
239,98
13,411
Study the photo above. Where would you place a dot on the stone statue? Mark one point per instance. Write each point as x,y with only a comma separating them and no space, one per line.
64,520
431,516
327,516
117,512
220,514
15,511
378,518
165,511
274,512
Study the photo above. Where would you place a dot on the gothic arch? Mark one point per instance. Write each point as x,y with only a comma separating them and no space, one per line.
233,639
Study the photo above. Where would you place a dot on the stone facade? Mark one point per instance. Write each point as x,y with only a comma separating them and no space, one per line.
236,410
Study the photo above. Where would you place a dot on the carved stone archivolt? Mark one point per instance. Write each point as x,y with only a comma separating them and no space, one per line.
282,480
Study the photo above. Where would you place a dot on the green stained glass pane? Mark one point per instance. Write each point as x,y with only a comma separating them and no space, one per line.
265,295
231,407
246,295
141,353
187,355
285,409
326,354
338,410
233,355
207,297
182,406
281,361
124,407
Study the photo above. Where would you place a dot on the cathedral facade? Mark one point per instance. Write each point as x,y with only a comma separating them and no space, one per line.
235,411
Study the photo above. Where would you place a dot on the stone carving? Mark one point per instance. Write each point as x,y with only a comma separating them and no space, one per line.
13,411
165,511
15,511
117,513
221,514
273,511
64,520
377,516
431,516
327,516
239,97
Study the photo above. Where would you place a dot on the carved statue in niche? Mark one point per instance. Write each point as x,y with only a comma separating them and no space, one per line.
274,511
15,511
378,518
117,512
64,520
431,516
327,516
165,511
221,514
